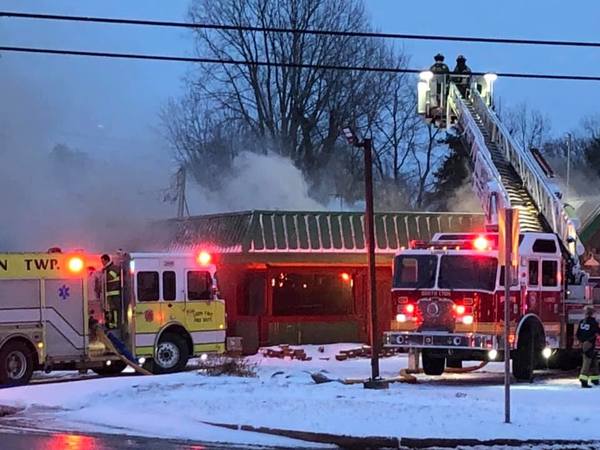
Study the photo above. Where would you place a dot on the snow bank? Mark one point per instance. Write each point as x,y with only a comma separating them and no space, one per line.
284,396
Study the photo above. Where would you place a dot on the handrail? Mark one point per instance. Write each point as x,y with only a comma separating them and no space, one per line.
486,178
546,201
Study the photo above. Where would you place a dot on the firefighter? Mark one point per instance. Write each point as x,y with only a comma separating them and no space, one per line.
462,82
439,83
587,330
112,276
439,67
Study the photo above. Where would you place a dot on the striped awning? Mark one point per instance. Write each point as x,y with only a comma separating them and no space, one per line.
312,231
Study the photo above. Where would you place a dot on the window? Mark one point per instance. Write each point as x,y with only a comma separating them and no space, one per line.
414,271
549,273
199,285
544,246
169,285
147,287
312,294
534,271
468,272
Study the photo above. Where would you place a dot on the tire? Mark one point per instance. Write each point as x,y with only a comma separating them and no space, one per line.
566,360
171,354
115,368
433,365
524,358
16,364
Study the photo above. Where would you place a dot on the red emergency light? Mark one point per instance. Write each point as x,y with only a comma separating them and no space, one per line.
75,264
481,243
204,258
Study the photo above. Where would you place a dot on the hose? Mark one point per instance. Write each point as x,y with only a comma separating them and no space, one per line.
108,343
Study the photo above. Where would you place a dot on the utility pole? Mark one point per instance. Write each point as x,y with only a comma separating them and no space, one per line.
569,147
375,381
181,200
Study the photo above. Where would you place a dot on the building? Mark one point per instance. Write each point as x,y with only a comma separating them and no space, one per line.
299,277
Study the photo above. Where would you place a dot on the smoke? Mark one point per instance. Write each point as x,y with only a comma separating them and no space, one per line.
101,194
464,199
255,182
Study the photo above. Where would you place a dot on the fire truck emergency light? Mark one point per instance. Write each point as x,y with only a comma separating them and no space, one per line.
345,276
460,309
75,264
204,258
481,243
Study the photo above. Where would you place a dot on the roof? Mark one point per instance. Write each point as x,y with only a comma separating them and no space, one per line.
311,231
590,228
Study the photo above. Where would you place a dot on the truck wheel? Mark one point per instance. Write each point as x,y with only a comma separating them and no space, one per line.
433,365
115,368
523,358
16,364
171,354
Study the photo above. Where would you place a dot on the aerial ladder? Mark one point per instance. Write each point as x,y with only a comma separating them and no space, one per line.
505,175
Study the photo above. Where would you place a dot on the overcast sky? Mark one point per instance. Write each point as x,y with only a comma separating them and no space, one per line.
103,101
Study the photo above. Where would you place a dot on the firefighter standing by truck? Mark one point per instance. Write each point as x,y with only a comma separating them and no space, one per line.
587,330
112,276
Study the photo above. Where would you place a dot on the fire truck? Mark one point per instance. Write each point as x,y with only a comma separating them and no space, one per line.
52,303
448,294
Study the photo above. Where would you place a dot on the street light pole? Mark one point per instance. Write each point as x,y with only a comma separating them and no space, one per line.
370,235
375,382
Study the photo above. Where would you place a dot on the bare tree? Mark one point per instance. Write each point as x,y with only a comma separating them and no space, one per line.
297,112
528,126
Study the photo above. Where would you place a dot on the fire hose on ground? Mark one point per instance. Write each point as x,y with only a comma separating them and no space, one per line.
111,343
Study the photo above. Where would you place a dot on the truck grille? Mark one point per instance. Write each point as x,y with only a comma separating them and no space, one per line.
437,314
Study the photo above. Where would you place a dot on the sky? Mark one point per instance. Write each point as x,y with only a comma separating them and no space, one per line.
110,108
112,101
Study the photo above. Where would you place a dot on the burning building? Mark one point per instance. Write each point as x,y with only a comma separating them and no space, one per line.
300,277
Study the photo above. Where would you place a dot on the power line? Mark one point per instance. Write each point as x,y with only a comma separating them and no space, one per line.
191,59
139,56
364,34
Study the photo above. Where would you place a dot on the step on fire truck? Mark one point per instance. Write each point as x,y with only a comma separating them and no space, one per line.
51,302
448,294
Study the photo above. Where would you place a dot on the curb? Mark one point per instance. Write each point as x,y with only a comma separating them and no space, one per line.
9,410
383,442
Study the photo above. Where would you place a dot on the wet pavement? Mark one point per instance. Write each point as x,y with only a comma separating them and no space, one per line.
17,437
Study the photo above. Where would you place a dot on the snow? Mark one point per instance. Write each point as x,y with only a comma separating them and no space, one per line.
284,396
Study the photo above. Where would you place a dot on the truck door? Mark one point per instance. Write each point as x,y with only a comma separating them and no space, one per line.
173,306
550,290
148,314
203,319
532,300
64,317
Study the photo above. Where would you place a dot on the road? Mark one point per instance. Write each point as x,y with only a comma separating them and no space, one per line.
13,439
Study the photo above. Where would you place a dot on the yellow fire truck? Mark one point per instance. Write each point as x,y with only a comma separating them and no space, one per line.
51,302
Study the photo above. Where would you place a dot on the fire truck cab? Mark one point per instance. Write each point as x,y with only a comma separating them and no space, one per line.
448,300
51,302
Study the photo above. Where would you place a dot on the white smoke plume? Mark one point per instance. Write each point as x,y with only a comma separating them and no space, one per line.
99,196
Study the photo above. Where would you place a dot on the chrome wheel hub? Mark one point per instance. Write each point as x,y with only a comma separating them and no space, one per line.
167,355
16,365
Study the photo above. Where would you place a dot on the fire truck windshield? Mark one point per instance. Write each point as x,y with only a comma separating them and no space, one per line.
468,272
415,271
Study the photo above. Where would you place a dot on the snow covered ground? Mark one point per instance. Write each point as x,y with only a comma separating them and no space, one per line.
284,396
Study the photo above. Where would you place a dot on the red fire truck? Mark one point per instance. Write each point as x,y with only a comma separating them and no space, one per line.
448,294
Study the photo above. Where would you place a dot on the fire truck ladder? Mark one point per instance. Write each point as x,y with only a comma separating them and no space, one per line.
505,175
